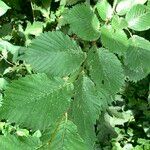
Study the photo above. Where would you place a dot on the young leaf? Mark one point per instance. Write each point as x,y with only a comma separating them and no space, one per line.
83,22
86,107
105,70
54,53
138,18
65,137
34,29
13,49
119,22
3,8
3,83
138,55
36,101
104,9
125,5
11,142
115,40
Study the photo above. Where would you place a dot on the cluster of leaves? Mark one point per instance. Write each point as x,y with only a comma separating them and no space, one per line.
72,74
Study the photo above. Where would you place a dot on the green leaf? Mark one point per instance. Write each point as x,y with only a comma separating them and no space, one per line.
43,8
37,102
3,8
15,4
143,144
105,130
115,40
138,56
34,29
22,132
125,5
3,83
105,70
86,108
83,22
11,142
54,53
13,49
138,18
119,22
65,137
104,9
148,4
46,4
72,2
1,99
5,30
125,116
135,75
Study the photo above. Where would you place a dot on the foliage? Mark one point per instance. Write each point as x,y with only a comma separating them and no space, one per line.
74,74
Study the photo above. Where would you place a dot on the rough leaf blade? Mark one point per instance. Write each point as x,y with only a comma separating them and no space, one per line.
105,70
135,75
86,108
115,40
11,142
55,54
36,101
104,9
83,22
64,137
138,56
125,5
138,18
